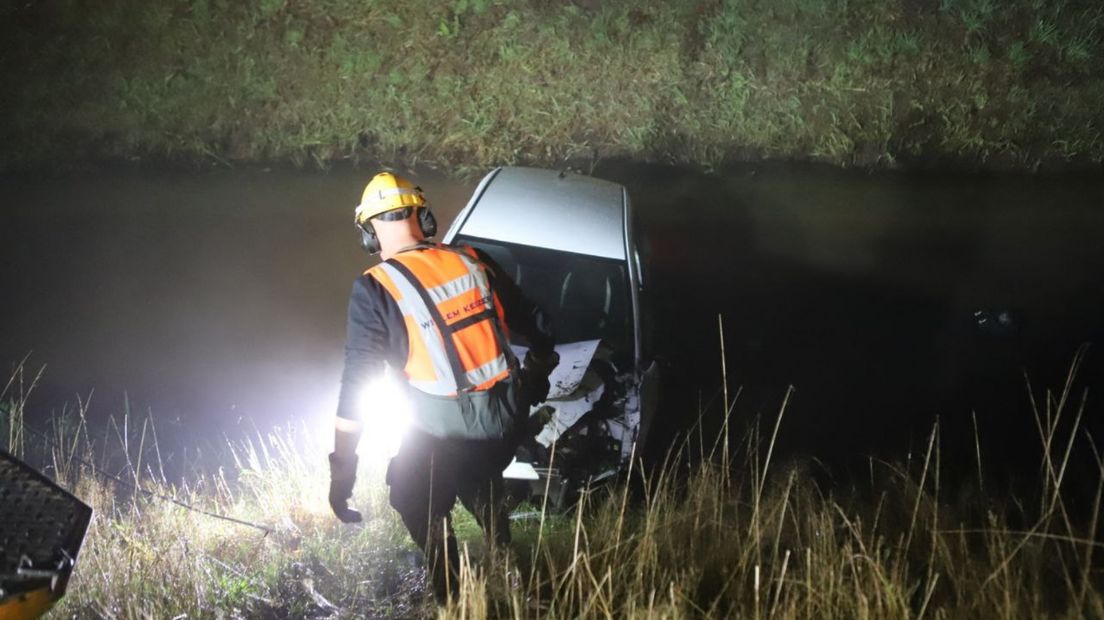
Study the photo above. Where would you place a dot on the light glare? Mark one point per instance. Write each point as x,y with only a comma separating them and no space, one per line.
385,412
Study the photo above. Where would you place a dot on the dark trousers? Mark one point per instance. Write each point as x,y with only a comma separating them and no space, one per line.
428,475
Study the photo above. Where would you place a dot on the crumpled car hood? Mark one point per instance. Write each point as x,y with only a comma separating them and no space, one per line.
574,392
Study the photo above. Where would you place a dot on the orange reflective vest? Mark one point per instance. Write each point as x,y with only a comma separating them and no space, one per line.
454,322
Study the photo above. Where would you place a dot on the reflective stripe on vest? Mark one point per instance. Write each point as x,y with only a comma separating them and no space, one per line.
457,286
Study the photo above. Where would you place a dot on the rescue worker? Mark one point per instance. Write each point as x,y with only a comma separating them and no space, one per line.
442,316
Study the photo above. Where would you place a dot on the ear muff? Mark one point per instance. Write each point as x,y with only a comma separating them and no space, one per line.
427,222
368,239
370,242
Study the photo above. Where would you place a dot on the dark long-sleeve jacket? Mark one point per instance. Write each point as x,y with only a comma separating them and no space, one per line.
376,334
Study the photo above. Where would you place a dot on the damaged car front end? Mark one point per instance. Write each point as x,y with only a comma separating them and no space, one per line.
568,241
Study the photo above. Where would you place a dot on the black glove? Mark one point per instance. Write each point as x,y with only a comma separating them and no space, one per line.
534,376
535,387
342,479
536,422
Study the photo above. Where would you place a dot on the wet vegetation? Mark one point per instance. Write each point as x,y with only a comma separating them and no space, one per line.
721,536
480,82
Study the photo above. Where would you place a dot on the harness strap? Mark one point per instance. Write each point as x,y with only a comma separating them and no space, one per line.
496,324
461,377
473,319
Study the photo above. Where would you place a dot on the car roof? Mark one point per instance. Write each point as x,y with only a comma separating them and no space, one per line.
544,208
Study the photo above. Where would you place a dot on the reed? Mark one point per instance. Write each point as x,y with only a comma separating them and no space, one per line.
739,535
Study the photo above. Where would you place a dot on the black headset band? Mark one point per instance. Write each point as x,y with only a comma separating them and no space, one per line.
370,242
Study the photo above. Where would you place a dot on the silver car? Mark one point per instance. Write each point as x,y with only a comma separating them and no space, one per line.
567,240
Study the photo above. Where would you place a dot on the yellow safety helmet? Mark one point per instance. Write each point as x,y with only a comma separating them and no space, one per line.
387,192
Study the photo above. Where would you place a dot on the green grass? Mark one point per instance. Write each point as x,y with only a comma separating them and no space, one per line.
733,536
482,82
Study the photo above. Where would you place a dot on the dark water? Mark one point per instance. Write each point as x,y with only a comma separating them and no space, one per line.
217,298
207,297
887,301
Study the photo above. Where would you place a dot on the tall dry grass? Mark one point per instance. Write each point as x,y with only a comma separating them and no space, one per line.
763,541
736,535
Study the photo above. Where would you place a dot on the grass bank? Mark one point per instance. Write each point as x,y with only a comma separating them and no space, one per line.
480,82
705,539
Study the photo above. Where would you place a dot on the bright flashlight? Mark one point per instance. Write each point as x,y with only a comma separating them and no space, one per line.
385,412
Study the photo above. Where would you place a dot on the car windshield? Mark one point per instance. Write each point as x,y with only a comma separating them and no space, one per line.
586,297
